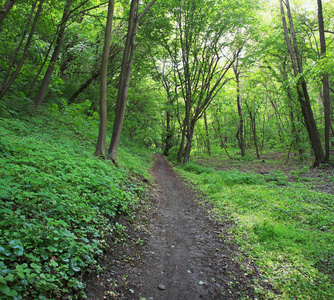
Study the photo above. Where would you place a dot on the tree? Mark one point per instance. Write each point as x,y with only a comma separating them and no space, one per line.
301,86
325,84
59,41
101,141
124,79
240,131
200,45
47,77
10,76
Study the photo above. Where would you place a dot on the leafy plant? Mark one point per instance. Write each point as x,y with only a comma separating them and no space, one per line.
57,202
287,231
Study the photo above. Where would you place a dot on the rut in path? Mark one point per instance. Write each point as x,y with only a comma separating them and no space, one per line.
186,258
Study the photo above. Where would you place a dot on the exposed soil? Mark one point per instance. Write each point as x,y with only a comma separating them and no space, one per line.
175,251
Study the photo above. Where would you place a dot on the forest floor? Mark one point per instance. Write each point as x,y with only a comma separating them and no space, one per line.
173,249
320,179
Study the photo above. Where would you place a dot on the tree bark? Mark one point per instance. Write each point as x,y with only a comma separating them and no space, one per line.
47,77
190,134
169,134
208,146
128,55
240,132
101,141
6,9
325,84
180,153
303,96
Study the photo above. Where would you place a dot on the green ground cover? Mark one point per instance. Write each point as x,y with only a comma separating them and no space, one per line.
285,228
58,202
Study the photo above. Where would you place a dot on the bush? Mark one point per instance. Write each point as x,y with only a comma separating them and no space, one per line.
197,169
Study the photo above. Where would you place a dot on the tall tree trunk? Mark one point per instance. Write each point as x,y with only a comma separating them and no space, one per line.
123,88
253,128
240,132
5,87
124,80
190,134
325,84
101,141
302,91
169,134
180,153
207,134
47,77
6,9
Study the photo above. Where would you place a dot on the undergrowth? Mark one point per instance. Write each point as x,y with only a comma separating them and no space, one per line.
287,231
58,202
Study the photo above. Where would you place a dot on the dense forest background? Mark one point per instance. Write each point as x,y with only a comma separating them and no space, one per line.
206,76
198,81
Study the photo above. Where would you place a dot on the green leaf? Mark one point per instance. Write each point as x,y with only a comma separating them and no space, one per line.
7,291
9,277
18,250
2,279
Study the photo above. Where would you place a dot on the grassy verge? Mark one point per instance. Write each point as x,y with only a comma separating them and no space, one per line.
287,231
58,202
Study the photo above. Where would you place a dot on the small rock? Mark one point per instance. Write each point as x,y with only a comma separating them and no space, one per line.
161,287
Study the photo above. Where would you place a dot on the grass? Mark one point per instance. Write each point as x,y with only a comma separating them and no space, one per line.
58,202
287,231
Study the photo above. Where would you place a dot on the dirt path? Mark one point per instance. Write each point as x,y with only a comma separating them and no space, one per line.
184,257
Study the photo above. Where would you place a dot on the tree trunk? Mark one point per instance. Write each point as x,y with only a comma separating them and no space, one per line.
123,88
5,87
253,128
190,134
101,141
325,84
169,134
124,80
180,153
47,77
303,96
240,132
208,146
5,9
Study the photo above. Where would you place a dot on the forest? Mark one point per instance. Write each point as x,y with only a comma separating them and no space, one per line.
237,95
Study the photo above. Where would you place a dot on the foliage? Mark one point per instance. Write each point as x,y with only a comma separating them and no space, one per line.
58,202
192,167
287,231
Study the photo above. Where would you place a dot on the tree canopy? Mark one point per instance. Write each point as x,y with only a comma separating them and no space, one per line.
265,66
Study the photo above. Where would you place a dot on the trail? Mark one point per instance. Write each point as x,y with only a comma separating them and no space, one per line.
186,258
